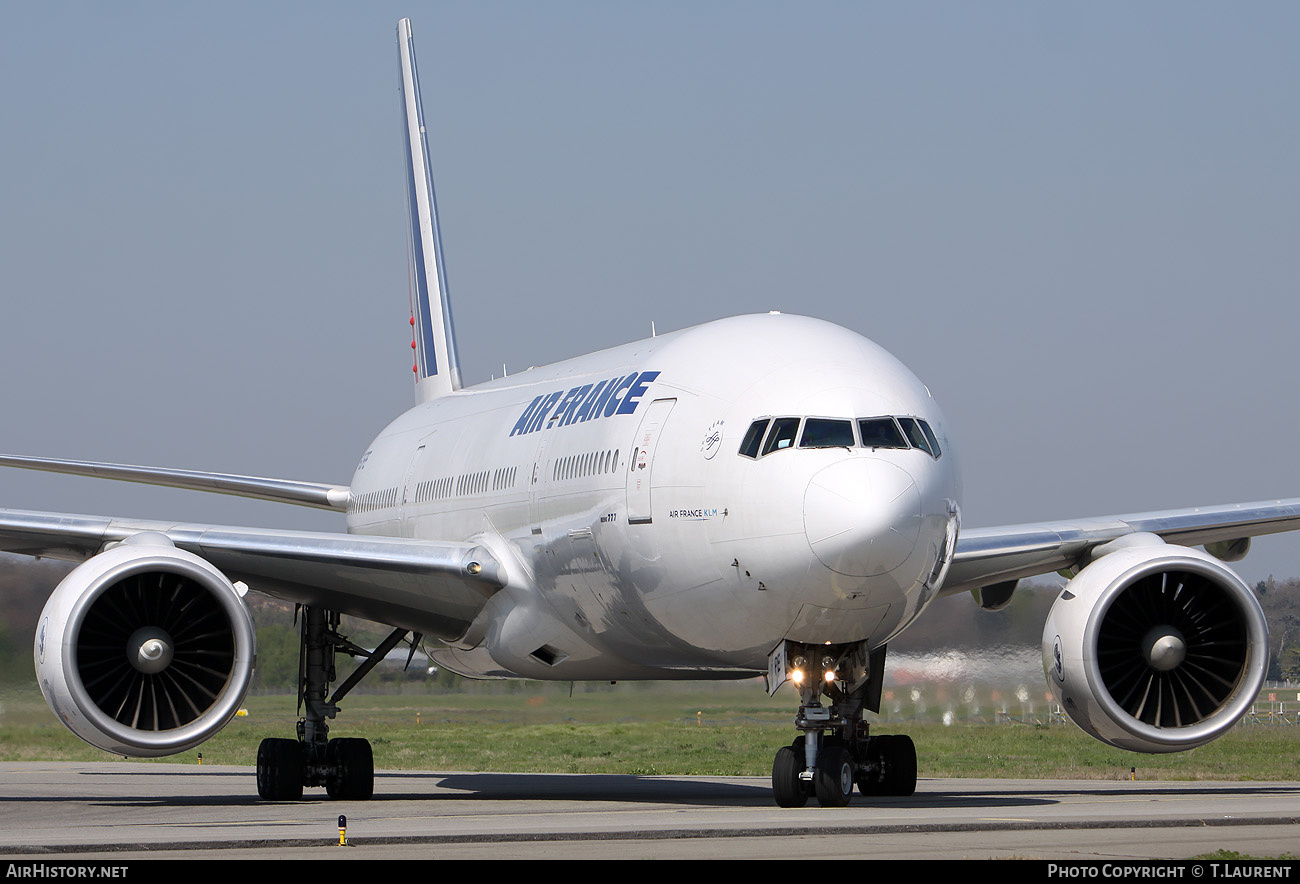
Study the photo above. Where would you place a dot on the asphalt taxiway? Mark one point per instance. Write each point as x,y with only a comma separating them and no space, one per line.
173,811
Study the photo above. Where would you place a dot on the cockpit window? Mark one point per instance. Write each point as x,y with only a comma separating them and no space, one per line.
823,433
782,434
929,435
881,432
915,435
766,434
753,438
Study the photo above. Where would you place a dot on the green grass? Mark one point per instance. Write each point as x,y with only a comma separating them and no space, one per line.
634,729
1232,855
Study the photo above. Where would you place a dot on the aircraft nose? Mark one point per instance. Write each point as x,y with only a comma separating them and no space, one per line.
862,516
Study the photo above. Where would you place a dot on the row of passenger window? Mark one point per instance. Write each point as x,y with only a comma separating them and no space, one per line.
438,489
769,434
374,500
465,484
590,464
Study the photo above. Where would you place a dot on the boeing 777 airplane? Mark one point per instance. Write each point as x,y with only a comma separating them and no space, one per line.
762,495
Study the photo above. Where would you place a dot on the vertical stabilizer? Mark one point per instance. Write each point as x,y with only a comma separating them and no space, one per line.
437,369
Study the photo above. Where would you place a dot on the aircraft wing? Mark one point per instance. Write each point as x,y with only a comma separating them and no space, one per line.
430,587
988,556
313,494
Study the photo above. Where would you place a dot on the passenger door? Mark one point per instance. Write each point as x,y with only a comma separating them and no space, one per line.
641,463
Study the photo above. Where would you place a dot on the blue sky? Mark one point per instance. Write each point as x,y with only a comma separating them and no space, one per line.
1078,224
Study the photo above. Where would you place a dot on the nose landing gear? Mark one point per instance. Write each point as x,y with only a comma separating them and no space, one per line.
835,750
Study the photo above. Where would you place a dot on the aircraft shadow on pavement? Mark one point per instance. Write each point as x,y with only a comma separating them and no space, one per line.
659,790
627,788
623,788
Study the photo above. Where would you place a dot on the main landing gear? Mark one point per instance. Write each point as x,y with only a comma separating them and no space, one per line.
345,767
835,750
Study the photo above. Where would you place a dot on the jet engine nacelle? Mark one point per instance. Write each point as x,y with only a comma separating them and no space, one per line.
145,649
1154,647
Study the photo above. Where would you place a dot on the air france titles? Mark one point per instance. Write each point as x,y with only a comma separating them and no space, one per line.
618,395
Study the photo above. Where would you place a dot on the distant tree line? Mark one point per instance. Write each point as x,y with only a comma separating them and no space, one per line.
1281,603
957,622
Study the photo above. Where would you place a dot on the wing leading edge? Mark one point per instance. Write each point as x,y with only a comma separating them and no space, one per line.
313,494
987,556
434,588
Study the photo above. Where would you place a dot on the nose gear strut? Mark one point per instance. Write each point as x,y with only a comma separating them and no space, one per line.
835,749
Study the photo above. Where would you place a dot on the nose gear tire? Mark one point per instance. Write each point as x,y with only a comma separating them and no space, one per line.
787,788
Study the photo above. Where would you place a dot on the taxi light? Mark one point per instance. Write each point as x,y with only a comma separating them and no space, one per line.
797,666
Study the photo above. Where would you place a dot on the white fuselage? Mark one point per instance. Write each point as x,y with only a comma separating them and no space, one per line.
638,542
